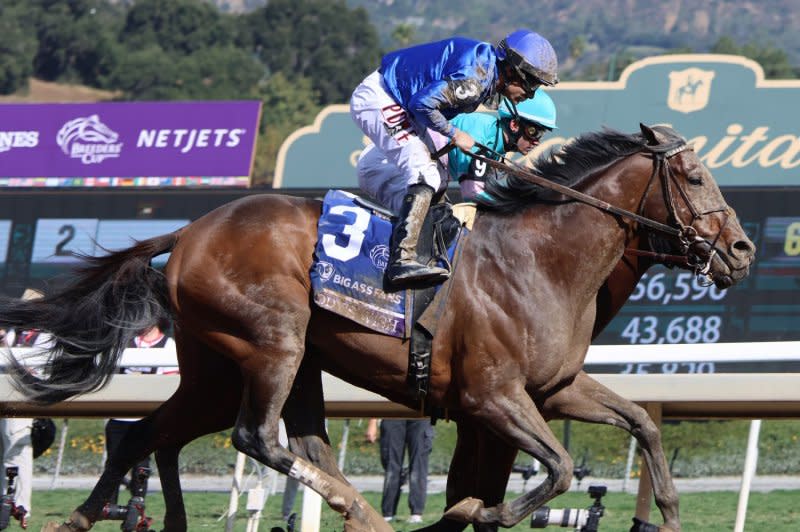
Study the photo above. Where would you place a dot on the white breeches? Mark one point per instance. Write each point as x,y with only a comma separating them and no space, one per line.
393,132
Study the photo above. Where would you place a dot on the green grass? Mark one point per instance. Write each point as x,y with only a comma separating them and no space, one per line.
703,449
695,449
701,512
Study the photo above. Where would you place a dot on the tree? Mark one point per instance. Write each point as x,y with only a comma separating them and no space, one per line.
288,105
76,40
181,26
215,73
17,49
577,46
325,41
403,35
774,61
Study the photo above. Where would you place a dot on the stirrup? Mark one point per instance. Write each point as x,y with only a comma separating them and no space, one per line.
415,272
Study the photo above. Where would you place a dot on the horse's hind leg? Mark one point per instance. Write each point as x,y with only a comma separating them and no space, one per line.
588,400
169,475
513,416
169,428
304,416
268,352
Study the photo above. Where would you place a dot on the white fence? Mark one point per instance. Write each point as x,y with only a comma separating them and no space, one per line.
680,395
697,395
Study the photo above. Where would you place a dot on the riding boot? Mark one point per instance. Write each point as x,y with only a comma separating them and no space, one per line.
404,267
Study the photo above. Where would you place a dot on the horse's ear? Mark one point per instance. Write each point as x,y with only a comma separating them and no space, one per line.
649,135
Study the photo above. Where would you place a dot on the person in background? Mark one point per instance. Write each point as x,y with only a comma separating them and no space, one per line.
15,433
397,435
420,88
514,129
155,337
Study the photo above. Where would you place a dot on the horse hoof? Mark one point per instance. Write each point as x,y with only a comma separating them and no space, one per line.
77,523
465,511
643,526
52,526
351,526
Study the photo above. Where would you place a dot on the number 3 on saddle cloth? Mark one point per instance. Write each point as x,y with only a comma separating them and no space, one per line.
351,256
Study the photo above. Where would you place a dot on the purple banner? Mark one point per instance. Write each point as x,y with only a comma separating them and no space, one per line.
127,140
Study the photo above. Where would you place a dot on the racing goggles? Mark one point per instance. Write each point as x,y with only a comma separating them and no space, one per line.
533,132
528,83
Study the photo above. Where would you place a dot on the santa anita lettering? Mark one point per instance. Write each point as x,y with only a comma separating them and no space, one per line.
742,125
737,148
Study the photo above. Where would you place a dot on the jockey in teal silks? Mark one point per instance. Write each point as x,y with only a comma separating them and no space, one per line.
509,131
421,88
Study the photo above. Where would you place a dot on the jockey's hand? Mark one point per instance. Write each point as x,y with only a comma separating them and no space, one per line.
463,140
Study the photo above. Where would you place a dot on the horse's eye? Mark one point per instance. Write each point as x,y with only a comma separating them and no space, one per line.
694,180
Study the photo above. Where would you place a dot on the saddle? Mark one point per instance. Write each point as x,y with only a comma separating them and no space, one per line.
348,278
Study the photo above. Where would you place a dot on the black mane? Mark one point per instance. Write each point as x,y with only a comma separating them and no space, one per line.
576,160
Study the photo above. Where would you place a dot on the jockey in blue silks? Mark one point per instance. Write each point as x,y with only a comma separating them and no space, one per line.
507,131
421,88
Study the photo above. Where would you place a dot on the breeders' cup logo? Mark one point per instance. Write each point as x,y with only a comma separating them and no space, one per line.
89,140
689,89
379,255
325,270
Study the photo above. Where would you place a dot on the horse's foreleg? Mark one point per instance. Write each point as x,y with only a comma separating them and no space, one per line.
480,469
588,400
514,417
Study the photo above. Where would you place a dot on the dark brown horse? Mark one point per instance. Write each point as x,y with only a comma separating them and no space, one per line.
481,463
508,353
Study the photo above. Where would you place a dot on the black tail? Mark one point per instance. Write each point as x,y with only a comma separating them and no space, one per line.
91,319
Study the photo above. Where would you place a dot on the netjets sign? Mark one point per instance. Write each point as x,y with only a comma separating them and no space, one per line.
744,127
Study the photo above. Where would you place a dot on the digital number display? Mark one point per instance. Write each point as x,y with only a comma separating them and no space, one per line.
57,240
5,236
674,306
668,306
120,234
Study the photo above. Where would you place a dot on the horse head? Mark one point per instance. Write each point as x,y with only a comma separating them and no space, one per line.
708,234
86,129
93,130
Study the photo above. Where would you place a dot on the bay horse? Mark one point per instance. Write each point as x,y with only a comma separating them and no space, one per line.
509,348
482,463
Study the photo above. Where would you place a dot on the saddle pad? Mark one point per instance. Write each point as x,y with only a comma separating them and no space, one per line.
347,276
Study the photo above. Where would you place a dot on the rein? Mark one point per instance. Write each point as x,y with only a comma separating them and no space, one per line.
689,240
514,169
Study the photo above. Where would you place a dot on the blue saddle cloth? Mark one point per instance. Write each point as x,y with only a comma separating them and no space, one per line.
350,258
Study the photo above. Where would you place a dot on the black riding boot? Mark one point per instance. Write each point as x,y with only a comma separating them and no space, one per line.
403,264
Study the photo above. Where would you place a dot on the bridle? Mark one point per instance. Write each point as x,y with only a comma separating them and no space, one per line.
696,253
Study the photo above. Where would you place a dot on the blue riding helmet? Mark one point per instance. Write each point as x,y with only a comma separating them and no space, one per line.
540,110
531,56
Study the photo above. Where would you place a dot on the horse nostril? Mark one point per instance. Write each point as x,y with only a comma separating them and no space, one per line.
743,247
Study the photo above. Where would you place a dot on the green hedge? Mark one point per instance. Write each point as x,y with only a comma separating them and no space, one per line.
694,448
